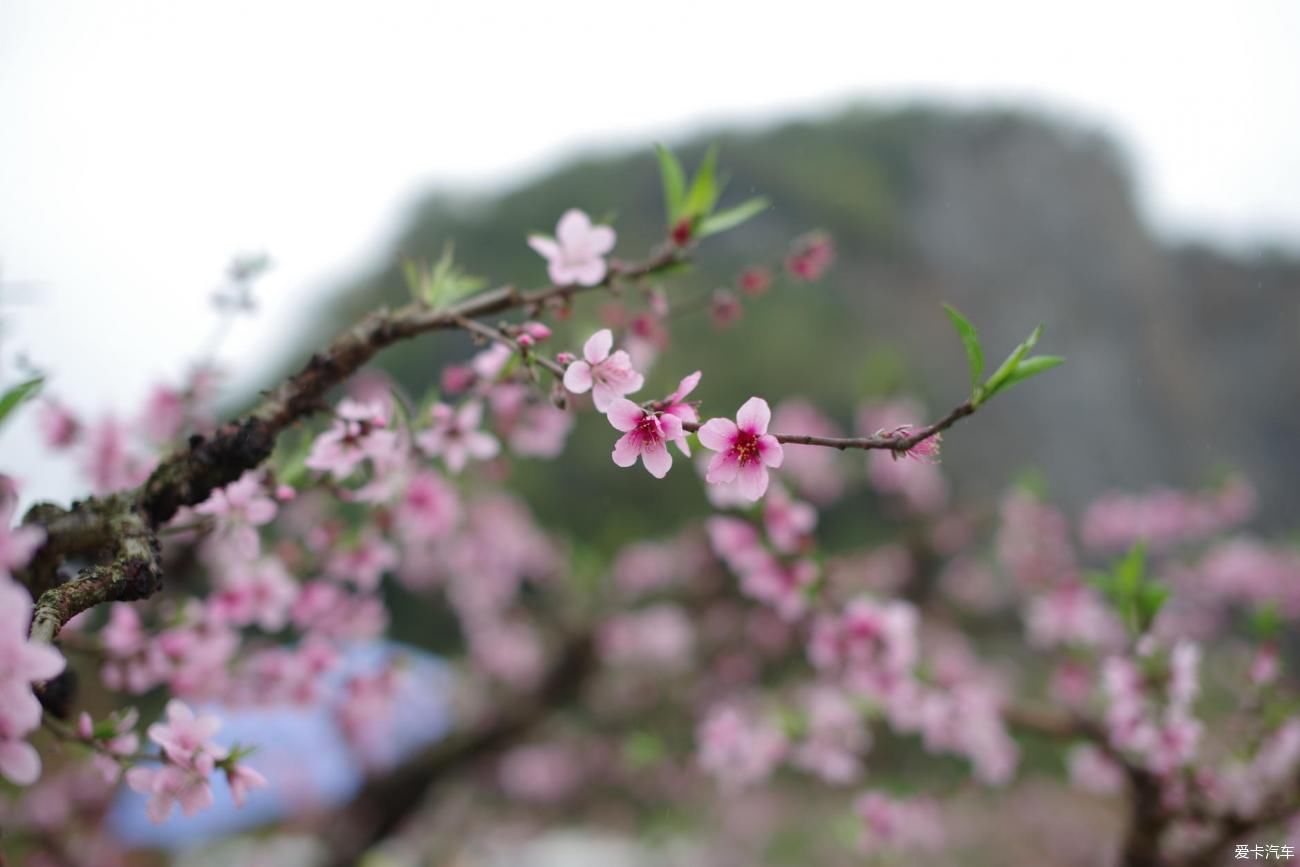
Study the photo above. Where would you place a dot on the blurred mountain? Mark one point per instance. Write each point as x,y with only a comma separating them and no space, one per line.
1183,360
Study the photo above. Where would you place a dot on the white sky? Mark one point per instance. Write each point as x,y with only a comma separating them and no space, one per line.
144,143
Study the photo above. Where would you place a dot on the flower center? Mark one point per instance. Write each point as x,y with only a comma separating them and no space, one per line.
745,447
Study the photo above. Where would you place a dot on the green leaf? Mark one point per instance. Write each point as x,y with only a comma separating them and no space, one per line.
1266,622
704,191
643,749
970,338
731,217
444,284
674,181
1032,366
1150,599
1130,571
19,394
998,380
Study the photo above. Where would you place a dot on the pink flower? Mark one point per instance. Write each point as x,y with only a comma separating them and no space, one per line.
59,427
725,308
238,508
108,463
258,592
1093,771
606,376
660,636
745,449
896,824
164,414
17,544
365,562
646,434
872,643
755,280
21,665
185,737
169,785
789,522
810,257
455,436
576,253
241,780
358,433
836,737
676,403
784,586
738,748
19,762
428,508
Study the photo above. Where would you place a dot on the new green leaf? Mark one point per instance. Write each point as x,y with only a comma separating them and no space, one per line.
970,338
18,395
998,380
704,191
731,217
674,182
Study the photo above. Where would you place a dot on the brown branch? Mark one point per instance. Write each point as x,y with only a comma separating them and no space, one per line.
385,803
188,477
127,522
895,442
134,573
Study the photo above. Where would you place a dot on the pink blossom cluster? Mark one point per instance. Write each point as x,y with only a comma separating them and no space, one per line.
189,757
1154,721
1166,517
22,664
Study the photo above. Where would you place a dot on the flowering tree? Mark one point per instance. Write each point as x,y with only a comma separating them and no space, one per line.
233,563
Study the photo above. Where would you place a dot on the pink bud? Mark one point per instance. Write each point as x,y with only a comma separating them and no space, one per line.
565,358
755,280
456,378
682,232
536,330
85,727
726,307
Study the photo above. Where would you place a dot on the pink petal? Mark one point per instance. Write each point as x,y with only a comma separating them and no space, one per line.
684,444
470,415
195,797
624,415
722,469
657,459
588,273
600,240
625,451
718,434
560,273
754,416
19,762
40,662
598,345
482,446
685,387
573,229
577,377
769,449
670,426
752,481
544,246
603,396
